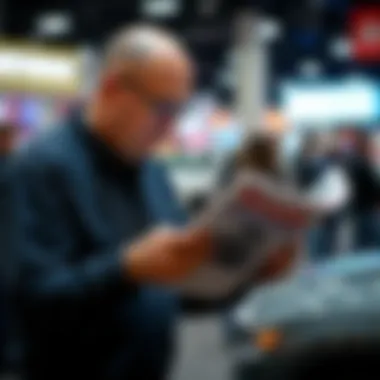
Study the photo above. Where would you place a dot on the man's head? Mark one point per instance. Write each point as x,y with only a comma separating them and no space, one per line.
146,79
7,138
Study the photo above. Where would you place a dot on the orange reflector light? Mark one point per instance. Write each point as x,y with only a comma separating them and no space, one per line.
268,339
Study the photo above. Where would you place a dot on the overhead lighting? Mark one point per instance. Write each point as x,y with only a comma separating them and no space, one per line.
161,8
36,66
53,24
269,29
340,48
310,68
339,101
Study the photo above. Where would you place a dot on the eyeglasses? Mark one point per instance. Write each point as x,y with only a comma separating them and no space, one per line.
162,108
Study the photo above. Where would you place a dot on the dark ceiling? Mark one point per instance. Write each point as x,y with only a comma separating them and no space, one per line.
308,27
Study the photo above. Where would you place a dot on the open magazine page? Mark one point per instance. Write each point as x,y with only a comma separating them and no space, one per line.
250,220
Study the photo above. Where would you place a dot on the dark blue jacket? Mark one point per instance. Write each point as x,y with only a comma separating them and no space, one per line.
5,209
6,220
78,207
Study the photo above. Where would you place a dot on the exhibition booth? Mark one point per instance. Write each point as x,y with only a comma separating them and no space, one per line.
330,104
38,85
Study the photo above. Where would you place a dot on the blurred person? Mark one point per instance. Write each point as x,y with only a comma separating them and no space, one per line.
310,162
93,270
365,194
258,153
315,158
88,200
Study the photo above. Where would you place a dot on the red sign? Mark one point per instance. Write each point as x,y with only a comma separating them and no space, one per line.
365,34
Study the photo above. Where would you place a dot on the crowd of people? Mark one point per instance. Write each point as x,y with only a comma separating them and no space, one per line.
355,227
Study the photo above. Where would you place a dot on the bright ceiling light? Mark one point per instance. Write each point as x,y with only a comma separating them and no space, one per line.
340,48
161,8
310,68
269,29
53,24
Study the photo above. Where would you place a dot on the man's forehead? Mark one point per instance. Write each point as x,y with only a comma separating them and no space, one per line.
151,58
164,75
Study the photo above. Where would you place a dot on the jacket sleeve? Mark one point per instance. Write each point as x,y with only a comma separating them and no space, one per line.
48,269
5,217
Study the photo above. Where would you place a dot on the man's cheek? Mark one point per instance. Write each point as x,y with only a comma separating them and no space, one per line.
142,139
163,129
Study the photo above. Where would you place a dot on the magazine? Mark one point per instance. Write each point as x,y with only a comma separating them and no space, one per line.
253,218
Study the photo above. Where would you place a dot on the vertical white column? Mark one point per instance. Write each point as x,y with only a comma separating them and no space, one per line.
251,71
90,62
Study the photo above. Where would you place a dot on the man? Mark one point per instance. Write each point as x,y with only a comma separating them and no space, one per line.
314,160
91,265
365,194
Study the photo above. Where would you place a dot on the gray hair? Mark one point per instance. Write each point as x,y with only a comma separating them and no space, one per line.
138,42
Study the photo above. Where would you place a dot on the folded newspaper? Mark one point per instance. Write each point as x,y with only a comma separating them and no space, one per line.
251,219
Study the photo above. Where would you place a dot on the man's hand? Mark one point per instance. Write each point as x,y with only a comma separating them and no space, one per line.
166,255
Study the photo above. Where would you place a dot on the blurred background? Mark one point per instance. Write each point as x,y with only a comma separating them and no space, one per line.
305,70
310,65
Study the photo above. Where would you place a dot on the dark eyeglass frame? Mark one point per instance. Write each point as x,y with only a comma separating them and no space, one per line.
160,107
